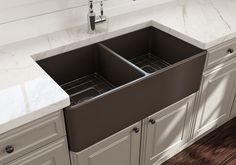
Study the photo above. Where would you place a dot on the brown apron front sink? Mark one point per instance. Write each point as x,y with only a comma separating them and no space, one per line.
120,81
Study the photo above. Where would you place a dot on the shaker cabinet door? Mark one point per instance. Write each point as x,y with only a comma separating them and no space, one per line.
168,130
121,148
233,112
216,98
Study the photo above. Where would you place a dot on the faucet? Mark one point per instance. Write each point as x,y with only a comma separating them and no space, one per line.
93,19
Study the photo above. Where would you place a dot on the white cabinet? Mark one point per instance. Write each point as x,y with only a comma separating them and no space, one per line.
41,142
167,130
53,154
233,112
31,136
121,148
216,97
220,54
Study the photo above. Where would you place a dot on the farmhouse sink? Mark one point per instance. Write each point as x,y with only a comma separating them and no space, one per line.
120,81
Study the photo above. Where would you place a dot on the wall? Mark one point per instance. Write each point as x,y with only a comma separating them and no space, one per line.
22,19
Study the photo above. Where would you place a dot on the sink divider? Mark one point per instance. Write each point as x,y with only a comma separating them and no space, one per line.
114,65
122,58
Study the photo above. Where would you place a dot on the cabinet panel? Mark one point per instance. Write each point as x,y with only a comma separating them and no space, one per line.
54,154
220,54
119,149
233,112
216,98
169,131
31,136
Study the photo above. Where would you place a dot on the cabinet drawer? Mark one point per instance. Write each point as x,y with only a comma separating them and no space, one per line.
53,154
31,136
220,54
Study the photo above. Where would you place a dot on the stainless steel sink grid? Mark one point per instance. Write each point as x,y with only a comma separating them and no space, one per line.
86,88
149,62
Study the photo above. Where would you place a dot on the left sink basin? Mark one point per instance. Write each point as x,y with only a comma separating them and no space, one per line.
89,72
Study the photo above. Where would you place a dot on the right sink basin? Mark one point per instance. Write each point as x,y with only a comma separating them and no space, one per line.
151,49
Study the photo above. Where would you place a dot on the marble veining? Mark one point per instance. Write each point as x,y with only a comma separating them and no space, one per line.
28,93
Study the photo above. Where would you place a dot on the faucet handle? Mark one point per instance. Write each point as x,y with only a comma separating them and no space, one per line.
101,18
90,5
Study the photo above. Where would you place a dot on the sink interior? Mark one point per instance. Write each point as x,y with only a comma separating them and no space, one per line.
88,72
87,87
151,49
149,62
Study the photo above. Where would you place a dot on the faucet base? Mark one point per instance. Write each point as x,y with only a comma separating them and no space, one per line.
100,19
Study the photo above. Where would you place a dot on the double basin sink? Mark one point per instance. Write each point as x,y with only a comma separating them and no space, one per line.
117,82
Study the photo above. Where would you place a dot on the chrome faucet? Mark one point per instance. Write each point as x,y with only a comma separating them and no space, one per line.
93,19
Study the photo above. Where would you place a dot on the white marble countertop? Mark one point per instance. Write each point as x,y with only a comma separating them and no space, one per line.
28,93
